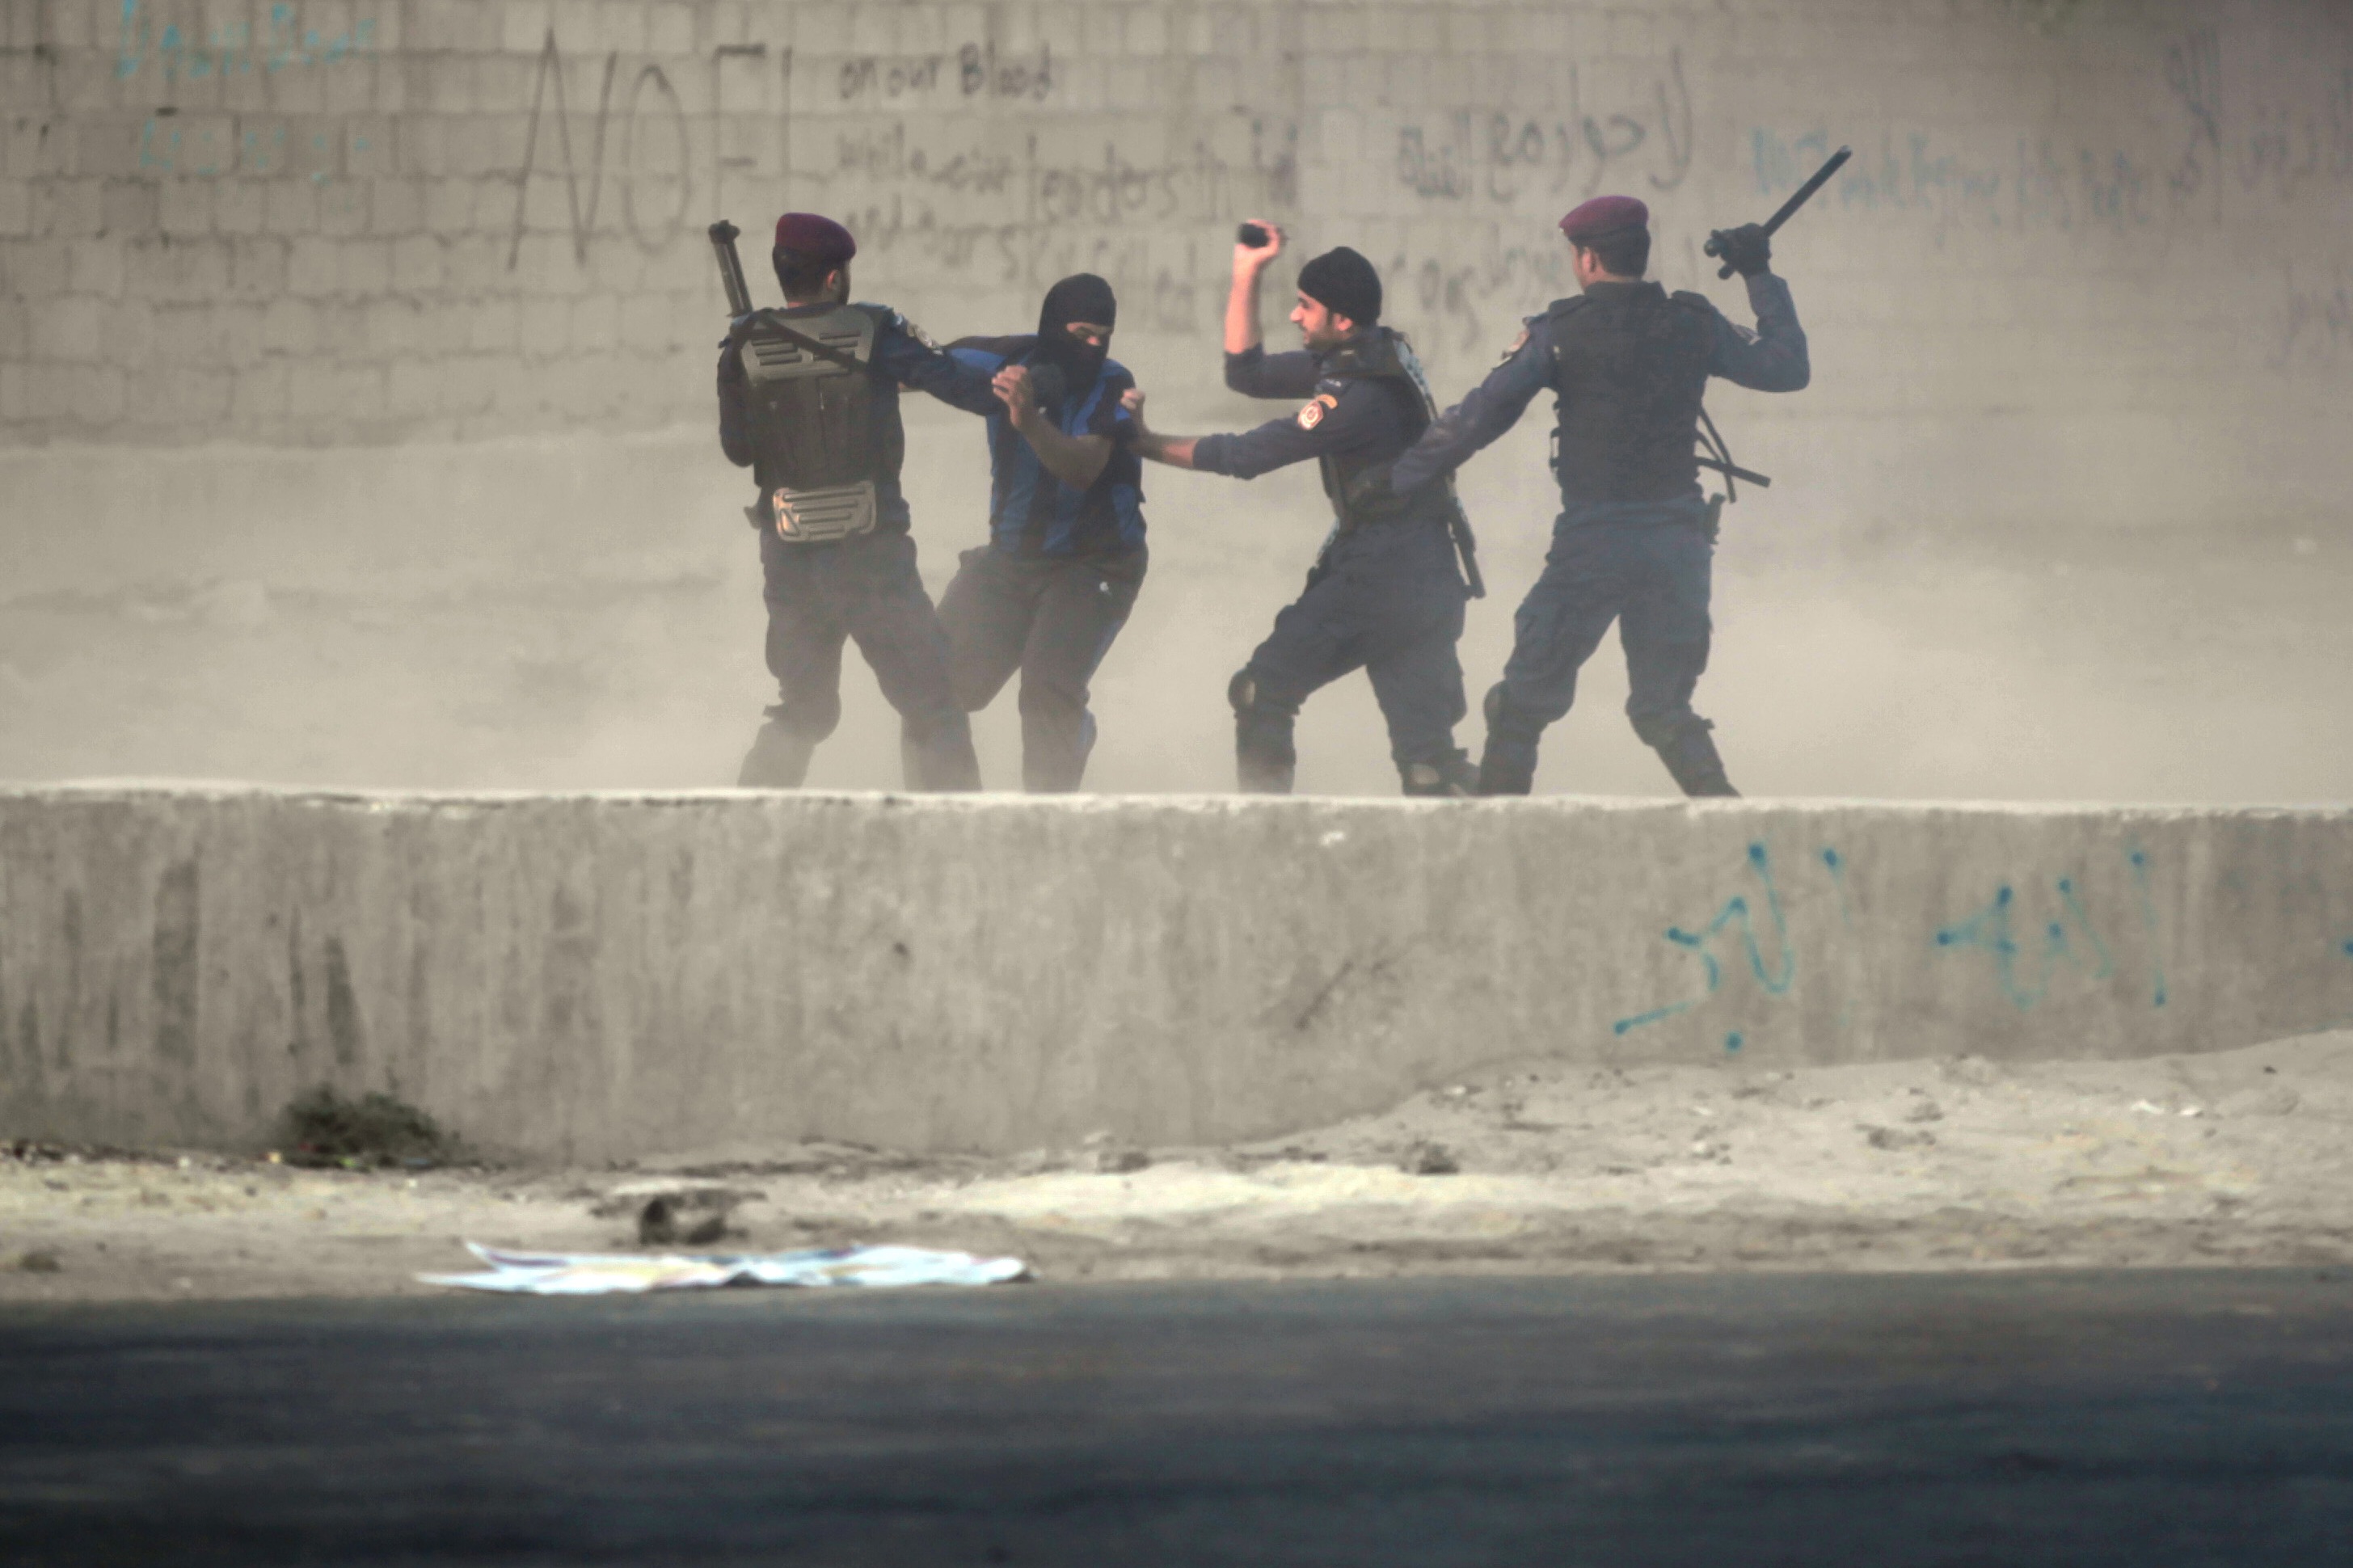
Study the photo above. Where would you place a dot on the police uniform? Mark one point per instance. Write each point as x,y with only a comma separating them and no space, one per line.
1633,542
826,455
1386,594
1050,590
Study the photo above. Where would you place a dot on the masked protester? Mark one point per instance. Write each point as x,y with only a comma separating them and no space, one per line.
1065,557
1634,540
1386,594
808,400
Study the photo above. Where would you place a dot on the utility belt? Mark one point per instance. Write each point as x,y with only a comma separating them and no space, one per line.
816,516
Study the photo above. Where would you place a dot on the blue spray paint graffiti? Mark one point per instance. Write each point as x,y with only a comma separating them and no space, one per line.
1991,930
233,49
1835,865
1735,912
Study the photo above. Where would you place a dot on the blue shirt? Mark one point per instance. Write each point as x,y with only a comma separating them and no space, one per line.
1770,358
902,357
1032,512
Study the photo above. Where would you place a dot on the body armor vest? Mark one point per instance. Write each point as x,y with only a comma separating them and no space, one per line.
1359,485
1630,366
816,447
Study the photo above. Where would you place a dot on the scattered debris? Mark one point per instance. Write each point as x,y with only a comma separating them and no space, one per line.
1926,1110
1425,1158
1119,1162
594,1274
40,1260
377,1130
1893,1138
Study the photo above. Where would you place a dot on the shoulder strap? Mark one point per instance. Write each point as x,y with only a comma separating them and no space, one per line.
1692,301
775,321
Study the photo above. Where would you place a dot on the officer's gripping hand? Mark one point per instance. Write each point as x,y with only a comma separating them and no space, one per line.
1253,259
1747,250
1132,401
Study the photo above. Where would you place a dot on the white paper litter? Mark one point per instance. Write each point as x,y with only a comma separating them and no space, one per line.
599,1274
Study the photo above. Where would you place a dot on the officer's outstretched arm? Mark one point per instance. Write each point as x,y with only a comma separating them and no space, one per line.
1176,451
913,362
1493,407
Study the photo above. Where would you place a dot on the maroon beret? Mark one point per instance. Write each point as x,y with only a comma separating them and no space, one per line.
810,235
1602,216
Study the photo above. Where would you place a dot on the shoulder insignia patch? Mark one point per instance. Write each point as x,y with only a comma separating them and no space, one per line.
1312,412
914,331
1517,344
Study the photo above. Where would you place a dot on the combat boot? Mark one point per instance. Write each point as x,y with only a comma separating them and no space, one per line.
779,759
1451,777
1692,760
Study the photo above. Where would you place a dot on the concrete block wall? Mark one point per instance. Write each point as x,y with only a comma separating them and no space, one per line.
2092,257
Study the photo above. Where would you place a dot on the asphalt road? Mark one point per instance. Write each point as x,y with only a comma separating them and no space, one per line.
2143,1418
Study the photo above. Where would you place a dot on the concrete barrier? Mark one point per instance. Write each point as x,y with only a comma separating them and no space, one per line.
600,977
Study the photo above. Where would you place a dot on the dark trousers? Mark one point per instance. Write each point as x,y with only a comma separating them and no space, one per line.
1387,599
1654,581
1052,619
863,589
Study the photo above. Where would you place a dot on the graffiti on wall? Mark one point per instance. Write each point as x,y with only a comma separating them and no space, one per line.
1500,155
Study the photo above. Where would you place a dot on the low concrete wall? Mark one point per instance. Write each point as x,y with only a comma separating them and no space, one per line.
590,977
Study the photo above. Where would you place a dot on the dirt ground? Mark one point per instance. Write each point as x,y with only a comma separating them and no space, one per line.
2237,1158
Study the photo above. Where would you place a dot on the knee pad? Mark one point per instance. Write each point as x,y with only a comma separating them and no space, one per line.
1491,707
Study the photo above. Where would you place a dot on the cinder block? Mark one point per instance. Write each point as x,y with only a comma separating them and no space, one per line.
417,264
33,269
16,208
371,147
475,264
239,206
523,25
348,87
289,208
95,268
260,397
128,208
492,326
396,206
412,387
83,82
298,89
494,144
311,267
669,29
343,208
646,322
595,324
97,395
68,329
315,148
264,145
465,383
363,267
619,24
545,329
165,270
257,266
113,145
34,146
16,329
510,83
440,84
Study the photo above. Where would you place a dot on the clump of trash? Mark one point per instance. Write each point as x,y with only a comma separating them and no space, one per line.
599,1274
321,1128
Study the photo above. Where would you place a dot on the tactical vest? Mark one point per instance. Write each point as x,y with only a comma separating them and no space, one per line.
817,447
1358,484
1631,365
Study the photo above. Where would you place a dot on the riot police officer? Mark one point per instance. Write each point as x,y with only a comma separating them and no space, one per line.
808,400
1634,540
1386,594
1065,557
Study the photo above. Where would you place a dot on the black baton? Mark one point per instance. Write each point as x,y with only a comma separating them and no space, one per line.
1714,246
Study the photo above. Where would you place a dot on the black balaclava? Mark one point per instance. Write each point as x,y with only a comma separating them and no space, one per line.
1082,297
1344,281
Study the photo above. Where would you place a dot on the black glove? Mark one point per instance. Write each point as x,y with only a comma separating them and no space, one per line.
1748,249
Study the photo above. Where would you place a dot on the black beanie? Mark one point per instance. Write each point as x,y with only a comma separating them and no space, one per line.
1344,281
1080,297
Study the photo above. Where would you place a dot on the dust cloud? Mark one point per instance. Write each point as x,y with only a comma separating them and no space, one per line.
583,612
